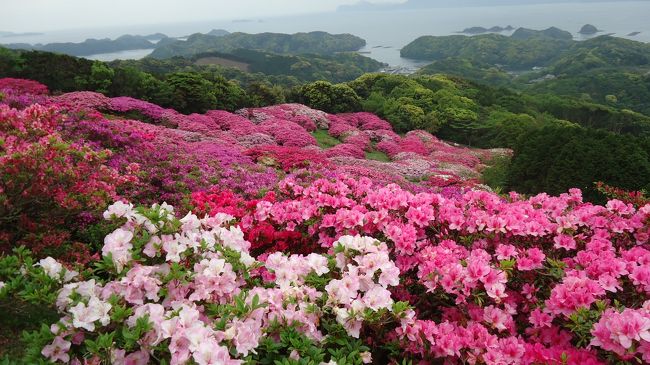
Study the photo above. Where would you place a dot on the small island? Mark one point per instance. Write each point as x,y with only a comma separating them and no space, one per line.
633,34
588,29
12,34
482,30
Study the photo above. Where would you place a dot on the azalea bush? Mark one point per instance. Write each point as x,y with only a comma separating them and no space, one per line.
538,280
23,86
48,184
177,291
465,278
204,145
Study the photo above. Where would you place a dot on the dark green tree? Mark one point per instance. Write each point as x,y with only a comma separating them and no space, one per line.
191,92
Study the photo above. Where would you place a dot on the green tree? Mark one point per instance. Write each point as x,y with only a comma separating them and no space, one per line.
229,95
101,77
191,92
324,96
10,63
263,94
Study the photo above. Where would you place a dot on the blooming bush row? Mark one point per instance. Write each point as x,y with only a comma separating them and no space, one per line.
471,278
491,280
290,125
178,291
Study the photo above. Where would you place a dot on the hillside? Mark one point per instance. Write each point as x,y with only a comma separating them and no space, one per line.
146,220
452,107
606,70
336,68
528,49
314,42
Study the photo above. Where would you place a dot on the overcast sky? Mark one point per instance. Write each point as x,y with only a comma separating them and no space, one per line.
40,15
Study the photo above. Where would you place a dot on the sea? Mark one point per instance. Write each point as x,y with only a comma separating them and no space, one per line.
386,32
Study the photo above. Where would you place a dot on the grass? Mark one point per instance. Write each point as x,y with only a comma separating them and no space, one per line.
377,156
324,140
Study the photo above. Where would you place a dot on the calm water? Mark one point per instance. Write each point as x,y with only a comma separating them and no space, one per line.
387,32
133,54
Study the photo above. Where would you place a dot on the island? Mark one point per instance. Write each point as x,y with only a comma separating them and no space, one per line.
549,33
588,29
482,30
320,43
12,34
93,46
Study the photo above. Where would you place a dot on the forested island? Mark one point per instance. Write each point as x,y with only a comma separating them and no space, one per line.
95,46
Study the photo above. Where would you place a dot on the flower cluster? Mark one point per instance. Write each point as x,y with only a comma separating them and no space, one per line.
22,86
626,333
188,290
418,156
514,280
47,182
308,118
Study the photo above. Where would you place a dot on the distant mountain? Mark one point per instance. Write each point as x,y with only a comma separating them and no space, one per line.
426,4
155,37
94,46
12,34
218,32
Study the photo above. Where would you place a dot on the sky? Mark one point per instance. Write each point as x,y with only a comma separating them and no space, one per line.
43,15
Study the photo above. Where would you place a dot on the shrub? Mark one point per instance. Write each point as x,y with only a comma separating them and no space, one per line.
47,183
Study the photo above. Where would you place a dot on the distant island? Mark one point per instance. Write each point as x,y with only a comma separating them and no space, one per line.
429,4
550,33
523,50
95,46
12,34
482,30
588,29
216,40
320,43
